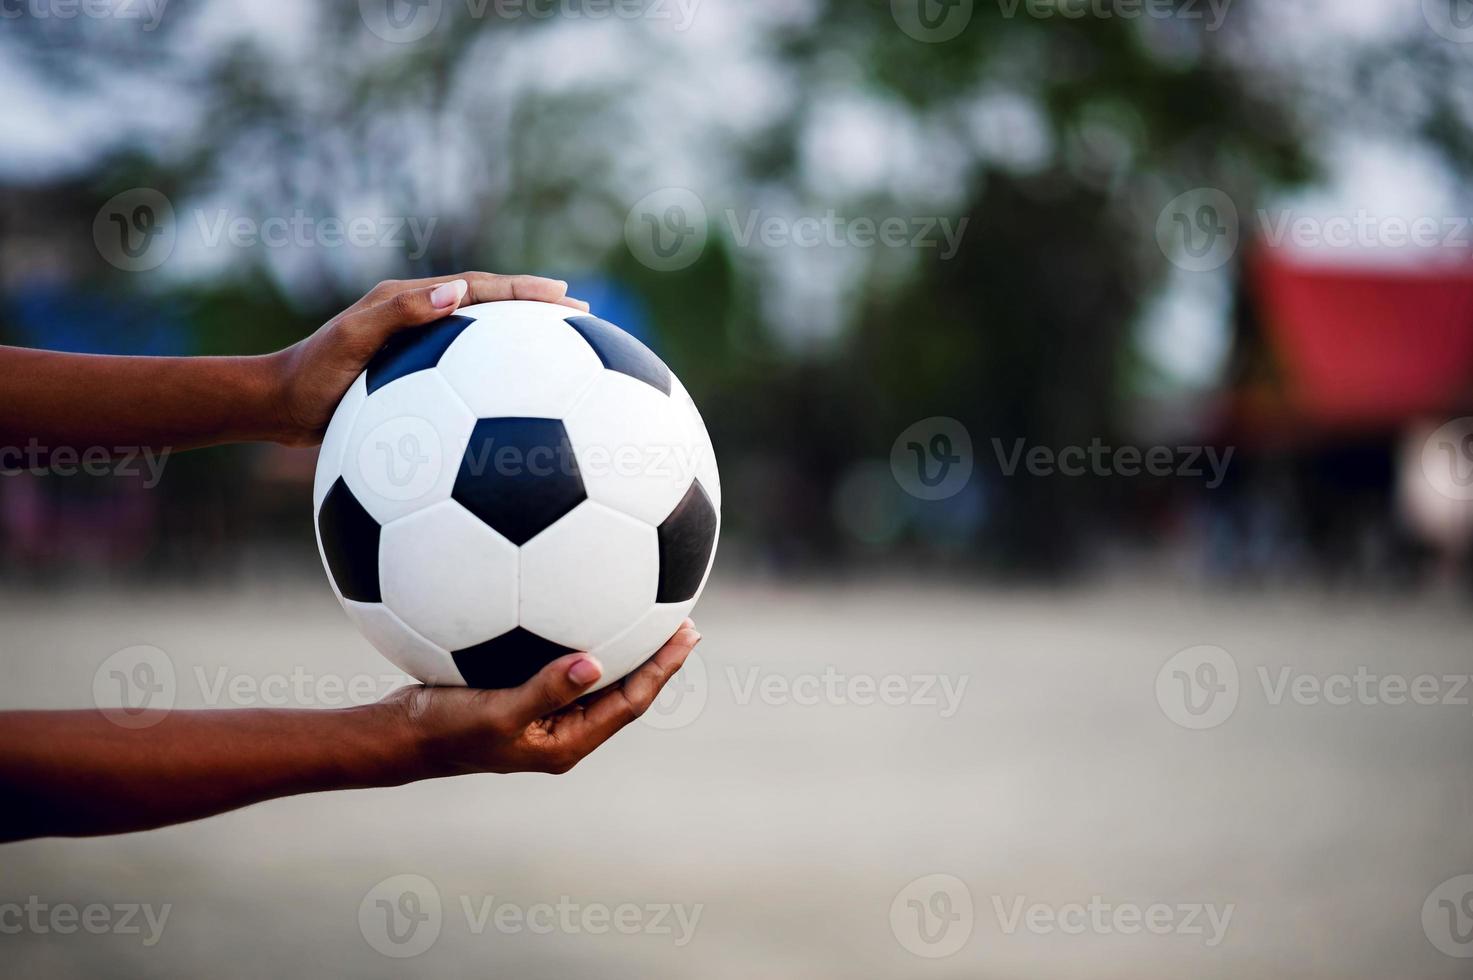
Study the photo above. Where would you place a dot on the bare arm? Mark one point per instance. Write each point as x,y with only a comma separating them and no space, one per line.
76,774
50,400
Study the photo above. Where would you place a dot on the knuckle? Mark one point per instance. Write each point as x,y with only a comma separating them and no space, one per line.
403,304
628,710
384,287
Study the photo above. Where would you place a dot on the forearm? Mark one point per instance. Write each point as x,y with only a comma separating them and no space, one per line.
77,774
50,400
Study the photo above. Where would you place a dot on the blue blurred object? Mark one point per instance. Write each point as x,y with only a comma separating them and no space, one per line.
611,300
65,319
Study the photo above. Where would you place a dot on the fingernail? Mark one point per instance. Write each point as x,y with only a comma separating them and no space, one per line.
448,293
585,671
691,636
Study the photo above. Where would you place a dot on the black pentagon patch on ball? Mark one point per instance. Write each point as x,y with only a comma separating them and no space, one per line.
415,349
620,352
519,476
509,660
686,539
350,542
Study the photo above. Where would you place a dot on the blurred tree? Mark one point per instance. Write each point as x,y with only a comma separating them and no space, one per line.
527,140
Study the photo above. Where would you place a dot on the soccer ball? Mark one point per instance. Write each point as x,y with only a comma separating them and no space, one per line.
513,483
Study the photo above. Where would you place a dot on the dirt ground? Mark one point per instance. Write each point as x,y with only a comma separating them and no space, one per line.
788,814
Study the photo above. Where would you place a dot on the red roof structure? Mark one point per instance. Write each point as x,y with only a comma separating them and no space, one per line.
1351,350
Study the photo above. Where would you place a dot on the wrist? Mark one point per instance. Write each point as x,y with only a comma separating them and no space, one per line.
266,379
384,746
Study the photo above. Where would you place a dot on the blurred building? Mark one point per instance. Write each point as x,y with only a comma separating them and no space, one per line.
1340,376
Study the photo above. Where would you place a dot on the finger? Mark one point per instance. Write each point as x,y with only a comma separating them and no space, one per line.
488,287
553,688
410,308
621,704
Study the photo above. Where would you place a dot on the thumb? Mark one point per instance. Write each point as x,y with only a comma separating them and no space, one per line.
554,687
411,308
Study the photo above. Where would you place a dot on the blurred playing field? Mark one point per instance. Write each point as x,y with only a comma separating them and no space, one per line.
794,825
